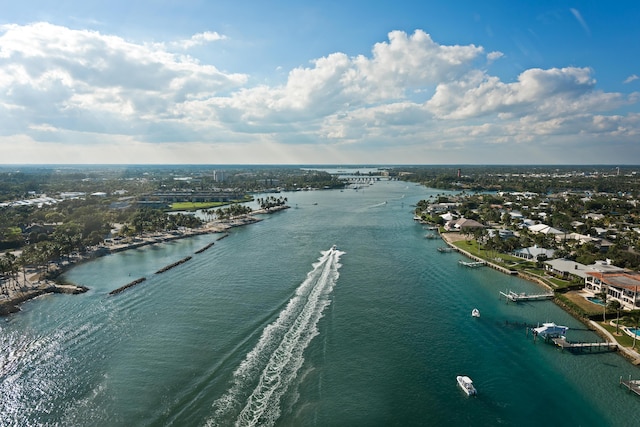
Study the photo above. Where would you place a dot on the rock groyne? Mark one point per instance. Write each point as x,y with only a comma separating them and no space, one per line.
127,286
175,264
199,251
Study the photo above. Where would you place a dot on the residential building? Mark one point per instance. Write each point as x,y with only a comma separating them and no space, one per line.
619,285
533,252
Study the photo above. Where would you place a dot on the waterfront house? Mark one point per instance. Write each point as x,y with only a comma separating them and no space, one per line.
533,252
503,233
462,224
622,286
566,269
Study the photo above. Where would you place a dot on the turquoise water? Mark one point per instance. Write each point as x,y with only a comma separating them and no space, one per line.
634,331
595,300
268,327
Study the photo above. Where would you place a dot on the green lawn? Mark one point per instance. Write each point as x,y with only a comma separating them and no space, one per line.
623,339
194,206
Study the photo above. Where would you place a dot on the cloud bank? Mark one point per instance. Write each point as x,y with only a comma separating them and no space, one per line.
79,96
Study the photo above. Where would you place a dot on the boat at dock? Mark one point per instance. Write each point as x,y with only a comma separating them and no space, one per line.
631,385
475,312
466,385
472,264
549,330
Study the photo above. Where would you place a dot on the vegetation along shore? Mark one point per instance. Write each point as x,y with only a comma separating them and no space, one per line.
573,229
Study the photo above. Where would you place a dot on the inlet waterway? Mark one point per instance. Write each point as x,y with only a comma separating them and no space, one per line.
271,327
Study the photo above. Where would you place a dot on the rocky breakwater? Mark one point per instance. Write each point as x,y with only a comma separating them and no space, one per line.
12,305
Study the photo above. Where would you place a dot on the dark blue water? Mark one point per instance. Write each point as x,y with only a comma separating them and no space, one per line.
270,327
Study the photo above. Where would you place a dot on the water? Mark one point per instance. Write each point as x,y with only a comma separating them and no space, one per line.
269,327
595,300
634,331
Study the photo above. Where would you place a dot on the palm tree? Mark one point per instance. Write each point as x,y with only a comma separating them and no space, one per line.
615,305
11,267
603,296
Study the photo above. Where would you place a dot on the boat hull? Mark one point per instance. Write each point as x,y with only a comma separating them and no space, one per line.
466,385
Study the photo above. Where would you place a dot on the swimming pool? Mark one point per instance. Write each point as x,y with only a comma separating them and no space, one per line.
596,300
635,331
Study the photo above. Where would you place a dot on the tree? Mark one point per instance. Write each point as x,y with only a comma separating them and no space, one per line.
615,305
603,296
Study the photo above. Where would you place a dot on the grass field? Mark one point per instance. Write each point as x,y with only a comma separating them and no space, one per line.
193,206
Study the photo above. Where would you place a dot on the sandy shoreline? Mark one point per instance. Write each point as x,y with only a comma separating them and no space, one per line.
32,283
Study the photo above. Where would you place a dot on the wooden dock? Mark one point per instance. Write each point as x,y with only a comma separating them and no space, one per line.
632,385
472,264
584,346
517,297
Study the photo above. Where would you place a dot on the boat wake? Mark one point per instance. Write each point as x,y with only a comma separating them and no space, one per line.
271,367
377,205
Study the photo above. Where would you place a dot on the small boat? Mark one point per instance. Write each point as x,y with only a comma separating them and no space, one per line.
475,312
334,248
466,385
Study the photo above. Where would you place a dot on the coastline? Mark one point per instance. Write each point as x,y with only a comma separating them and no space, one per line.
631,355
41,283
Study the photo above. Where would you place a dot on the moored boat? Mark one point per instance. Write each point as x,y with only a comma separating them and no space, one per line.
550,330
466,385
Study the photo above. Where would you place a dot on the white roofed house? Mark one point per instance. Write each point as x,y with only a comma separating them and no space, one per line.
565,268
544,229
447,217
462,224
533,252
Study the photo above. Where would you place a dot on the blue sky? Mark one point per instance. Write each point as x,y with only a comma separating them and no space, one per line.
331,82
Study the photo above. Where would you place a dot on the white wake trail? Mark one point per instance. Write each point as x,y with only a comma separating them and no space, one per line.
267,371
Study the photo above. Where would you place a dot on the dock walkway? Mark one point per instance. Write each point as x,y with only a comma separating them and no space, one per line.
584,346
515,297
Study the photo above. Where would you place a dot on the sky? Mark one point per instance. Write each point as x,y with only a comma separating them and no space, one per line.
320,82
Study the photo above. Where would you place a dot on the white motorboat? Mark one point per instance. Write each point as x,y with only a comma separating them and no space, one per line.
550,330
466,385
475,312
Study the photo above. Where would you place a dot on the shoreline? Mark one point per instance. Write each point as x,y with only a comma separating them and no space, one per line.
627,353
41,283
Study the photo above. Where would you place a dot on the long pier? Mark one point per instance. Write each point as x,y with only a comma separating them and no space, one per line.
584,346
515,297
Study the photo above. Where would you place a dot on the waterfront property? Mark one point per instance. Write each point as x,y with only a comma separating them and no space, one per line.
567,269
621,286
533,253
